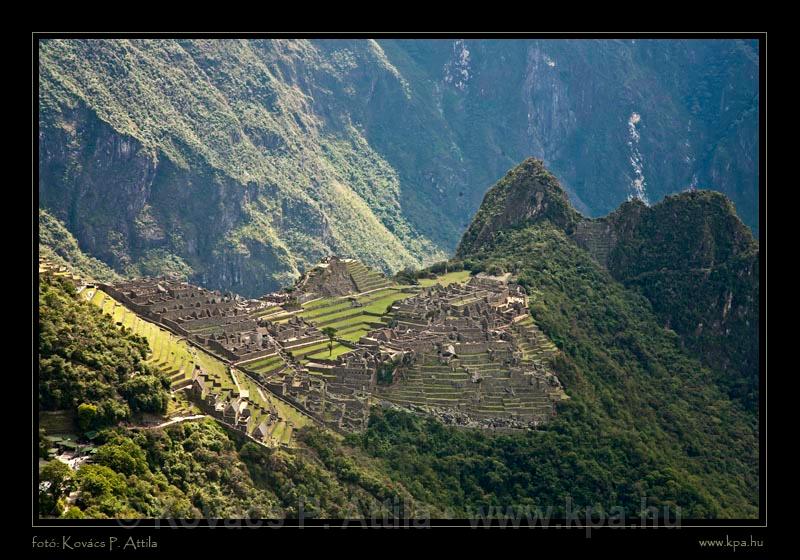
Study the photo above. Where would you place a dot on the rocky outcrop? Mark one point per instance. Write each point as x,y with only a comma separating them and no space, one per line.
527,194
330,278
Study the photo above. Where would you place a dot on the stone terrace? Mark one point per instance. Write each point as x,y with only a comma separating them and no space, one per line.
217,388
468,348
474,349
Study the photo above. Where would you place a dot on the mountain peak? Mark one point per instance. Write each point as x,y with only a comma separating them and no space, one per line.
527,194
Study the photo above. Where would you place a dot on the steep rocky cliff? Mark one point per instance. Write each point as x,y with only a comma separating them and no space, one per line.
611,118
207,159
240,163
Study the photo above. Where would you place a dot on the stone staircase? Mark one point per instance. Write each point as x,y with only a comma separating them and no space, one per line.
365,278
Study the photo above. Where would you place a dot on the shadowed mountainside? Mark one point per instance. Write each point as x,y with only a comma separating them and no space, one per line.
241,163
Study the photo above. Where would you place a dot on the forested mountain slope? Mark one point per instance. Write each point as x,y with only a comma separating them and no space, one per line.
647,424
640,394
239,163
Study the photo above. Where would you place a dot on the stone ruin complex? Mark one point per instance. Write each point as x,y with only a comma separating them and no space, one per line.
469,354
233,407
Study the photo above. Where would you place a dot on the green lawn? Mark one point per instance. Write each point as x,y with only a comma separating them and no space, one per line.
445,279
353,334
262,362
338,350
379,306
308,349
323,302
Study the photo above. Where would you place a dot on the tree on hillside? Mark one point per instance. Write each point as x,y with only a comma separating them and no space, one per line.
55,481
330,332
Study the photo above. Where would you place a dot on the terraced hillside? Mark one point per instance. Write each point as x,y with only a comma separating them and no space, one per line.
456,342
535,346
445,347
433,384
351,316
502,391
334,277
179,358
364,277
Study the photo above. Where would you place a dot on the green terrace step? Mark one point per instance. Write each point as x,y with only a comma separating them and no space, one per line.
490,407
443,395
261,362
443,400
393,398
278,429
337,350
336,316
354,328
326,310
366,279
268,367
354,335
266,313
308,349
293,345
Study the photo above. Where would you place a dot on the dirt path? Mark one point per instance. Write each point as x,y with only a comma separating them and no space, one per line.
177,420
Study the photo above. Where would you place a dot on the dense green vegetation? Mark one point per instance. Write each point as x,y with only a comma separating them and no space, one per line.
58,245
100,371
89,365
689,255
647,424
698,265
644,420
197,469
644,428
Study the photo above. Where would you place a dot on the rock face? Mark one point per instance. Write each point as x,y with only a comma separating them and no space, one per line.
690,255
527,194
59,247
600,114
207,159
241,163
